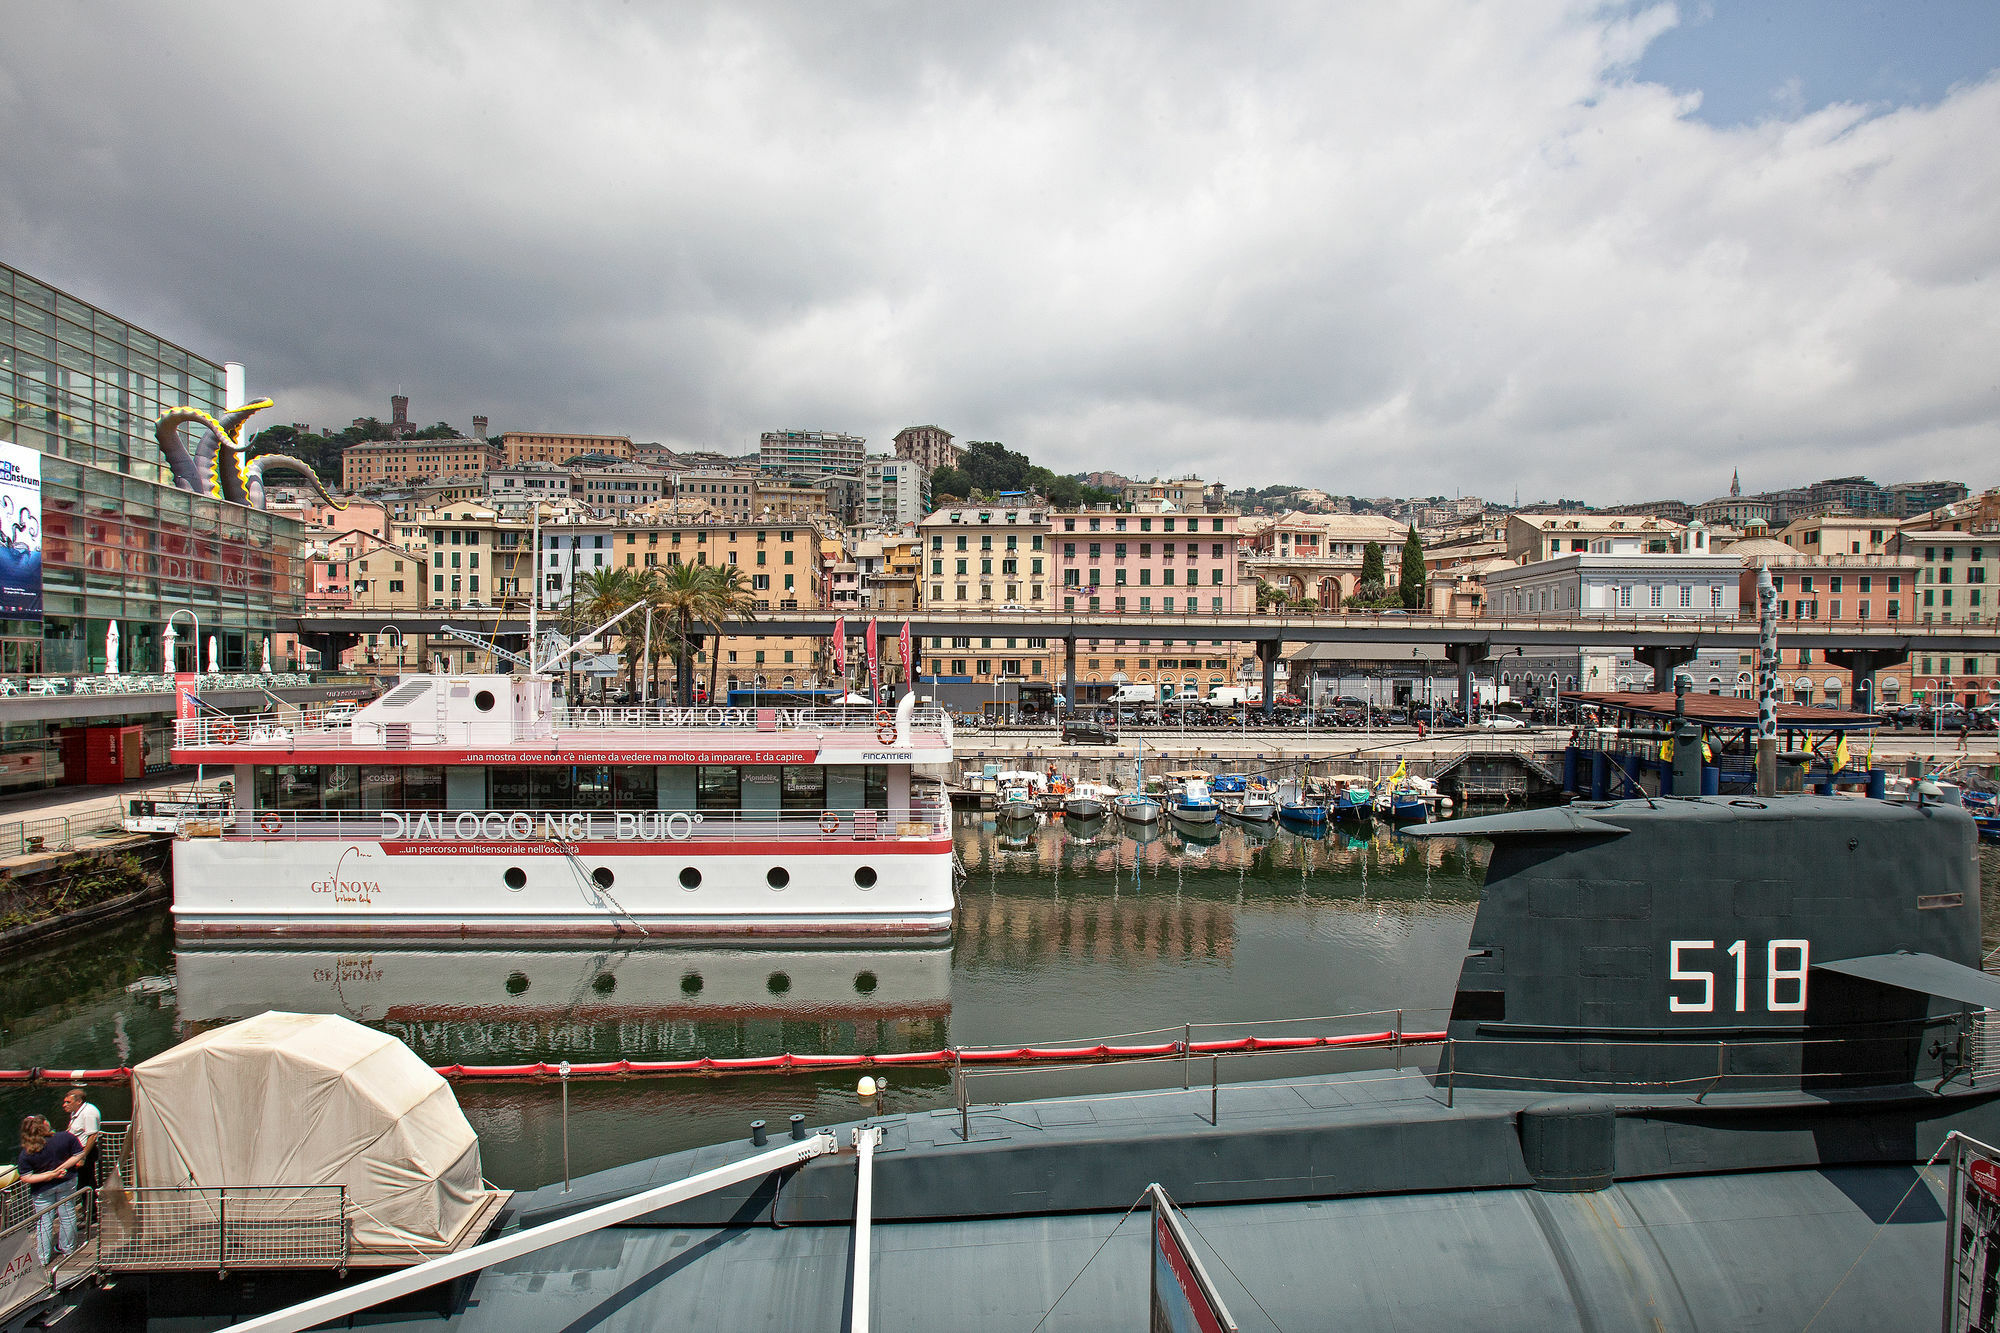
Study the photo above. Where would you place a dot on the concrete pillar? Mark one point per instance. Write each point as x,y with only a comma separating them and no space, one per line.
1662,662
1462,656
1864,663
1069,674
1267,657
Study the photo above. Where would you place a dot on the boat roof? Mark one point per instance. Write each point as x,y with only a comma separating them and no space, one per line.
1719,710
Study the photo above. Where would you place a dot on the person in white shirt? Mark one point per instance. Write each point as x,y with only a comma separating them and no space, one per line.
86,1123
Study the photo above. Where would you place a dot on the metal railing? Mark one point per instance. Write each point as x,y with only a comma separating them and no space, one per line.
23,837
332,724
925,819
146,683
246,1226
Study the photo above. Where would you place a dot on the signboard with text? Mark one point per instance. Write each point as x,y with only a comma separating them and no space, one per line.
1184,1300
20,533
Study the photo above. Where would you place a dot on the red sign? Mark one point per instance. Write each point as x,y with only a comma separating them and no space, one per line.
1183,1300
1985,1173
840,648
186,708
909,671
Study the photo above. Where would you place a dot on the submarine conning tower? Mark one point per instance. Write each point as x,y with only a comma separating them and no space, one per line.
1715,944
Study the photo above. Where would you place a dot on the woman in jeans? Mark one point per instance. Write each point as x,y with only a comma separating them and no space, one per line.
48,1165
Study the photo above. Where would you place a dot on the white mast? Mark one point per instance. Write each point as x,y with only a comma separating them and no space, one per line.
535,591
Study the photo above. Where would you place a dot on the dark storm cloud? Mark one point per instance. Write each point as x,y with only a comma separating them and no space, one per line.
1409,248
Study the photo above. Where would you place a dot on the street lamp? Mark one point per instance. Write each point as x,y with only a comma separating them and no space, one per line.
169,638
387,630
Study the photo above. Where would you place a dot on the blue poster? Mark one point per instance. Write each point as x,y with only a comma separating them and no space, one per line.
20,533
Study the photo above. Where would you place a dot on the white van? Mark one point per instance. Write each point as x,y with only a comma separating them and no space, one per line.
1228,696
1136,694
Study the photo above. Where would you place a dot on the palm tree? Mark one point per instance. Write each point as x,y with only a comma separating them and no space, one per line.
680,594
604,593
729,602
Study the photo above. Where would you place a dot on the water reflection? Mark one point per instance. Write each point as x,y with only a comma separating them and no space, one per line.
470,1006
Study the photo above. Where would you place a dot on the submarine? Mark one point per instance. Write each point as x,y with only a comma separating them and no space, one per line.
1701,1060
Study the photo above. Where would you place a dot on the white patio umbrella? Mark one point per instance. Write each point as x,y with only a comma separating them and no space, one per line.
111,649
267,654
214,657
855,699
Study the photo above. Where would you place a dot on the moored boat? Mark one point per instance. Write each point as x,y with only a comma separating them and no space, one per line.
1295,804
1088,800
1192,804
477,806
1136,808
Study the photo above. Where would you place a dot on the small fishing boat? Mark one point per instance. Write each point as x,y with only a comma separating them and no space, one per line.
1192,803
1410,800
1295,805
1985,811
1020,795
1136,808
1254,807
1351,795
1088,800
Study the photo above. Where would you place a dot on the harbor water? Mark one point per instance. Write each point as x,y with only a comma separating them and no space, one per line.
1064,934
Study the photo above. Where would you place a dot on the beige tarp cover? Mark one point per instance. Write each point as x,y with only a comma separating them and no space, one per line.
312,1099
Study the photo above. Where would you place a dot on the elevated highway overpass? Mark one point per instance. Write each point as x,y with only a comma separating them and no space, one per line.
1661,642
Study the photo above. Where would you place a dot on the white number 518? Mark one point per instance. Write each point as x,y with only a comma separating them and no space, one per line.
1775,976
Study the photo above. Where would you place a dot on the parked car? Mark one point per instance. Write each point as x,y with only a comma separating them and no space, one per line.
1082,731
1502,722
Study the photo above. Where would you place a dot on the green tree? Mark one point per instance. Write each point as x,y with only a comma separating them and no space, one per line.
604,593
729,601
1372,571
1411,584
679,595
950,481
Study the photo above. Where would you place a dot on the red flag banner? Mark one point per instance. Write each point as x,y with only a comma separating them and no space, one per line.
1184,1300
909,658
840,648
874,666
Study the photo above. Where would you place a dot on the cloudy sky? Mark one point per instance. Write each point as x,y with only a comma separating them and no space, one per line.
1599,250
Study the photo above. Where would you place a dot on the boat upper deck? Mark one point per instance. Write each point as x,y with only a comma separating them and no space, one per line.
646,734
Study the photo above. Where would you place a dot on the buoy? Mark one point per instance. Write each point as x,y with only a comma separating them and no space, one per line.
866,1087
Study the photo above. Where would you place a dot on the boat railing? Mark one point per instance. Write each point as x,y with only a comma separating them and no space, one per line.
204,1228
332,725
1199,1059
640,717
558,828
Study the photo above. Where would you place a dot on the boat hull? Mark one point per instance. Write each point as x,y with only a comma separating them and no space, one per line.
1193,814
793,888
1140,812
1083,807
1303,814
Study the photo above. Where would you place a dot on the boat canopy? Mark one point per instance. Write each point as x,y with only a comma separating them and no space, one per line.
313,1099
1195,792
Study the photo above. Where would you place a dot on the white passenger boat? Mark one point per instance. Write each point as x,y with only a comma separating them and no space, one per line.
474,806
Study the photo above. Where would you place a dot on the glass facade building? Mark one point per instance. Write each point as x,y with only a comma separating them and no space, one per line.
121,543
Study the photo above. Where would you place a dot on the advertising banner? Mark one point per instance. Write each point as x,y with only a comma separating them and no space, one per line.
20,533
23,1280
840,648
909,658
1972,1282
1184,1301
187,706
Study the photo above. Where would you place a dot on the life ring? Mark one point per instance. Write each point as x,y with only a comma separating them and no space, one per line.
225,733
829,822
269,822
886,732
884,718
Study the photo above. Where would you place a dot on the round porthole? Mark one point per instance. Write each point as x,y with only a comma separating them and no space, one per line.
778,877
515,878
517,983
865,877
483,701
691,983
605,984
777,983
690,877
603,877
864,983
